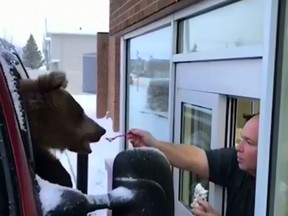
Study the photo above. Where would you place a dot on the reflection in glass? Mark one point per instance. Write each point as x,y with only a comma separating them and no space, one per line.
233,26
148,71
196,130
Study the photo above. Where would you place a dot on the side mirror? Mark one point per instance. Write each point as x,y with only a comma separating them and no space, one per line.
147,172
142,185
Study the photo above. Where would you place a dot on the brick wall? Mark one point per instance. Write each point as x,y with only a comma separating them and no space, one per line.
102,73
125,13
108,77
114,81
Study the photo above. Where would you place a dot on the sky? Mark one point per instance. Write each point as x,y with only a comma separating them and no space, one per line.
20,18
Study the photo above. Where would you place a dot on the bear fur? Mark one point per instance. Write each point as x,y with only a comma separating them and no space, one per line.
56,121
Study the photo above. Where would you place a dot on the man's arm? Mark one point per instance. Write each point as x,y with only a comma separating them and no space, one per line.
188,157
182,156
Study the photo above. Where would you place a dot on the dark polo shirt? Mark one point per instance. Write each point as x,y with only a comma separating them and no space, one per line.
224,171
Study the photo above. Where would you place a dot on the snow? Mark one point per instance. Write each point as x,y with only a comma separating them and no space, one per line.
12,84
121,194
129,179
100,199
50,195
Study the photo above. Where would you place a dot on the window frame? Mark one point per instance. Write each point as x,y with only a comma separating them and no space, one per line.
277,94
266,106
124,46
267,77
8,165
172,20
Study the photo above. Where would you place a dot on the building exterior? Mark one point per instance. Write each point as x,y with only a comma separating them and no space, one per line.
192,72
65,52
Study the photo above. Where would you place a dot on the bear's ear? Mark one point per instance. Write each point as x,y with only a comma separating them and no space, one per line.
52,81
44,83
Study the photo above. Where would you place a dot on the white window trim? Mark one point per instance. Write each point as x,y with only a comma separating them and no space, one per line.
239,78
174,26
199,7
237,53
123,84
217,104
181,14
266,105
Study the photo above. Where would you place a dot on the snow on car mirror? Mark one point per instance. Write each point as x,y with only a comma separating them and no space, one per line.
142,185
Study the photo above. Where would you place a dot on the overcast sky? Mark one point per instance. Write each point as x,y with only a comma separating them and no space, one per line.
20,18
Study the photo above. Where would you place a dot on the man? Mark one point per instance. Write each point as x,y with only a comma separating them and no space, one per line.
232,168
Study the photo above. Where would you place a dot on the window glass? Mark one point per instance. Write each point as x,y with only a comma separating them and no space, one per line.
196,130
279,145
148,71
237,25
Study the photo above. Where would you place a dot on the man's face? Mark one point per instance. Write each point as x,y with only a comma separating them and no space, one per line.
247,148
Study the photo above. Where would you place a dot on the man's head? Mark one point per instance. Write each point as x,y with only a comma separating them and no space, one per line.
247,148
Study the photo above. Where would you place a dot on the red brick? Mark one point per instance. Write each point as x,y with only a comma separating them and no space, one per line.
102,77
114,81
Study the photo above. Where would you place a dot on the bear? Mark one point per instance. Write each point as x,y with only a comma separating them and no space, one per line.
56,121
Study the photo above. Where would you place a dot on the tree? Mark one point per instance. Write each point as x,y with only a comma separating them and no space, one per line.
32,56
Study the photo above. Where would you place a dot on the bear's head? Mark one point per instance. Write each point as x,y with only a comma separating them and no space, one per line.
56,119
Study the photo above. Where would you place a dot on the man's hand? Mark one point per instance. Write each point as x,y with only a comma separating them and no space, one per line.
204,209
139,138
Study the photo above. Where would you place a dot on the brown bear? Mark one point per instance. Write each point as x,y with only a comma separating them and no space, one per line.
56,121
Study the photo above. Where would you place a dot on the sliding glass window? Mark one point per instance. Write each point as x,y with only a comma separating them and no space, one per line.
147,90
